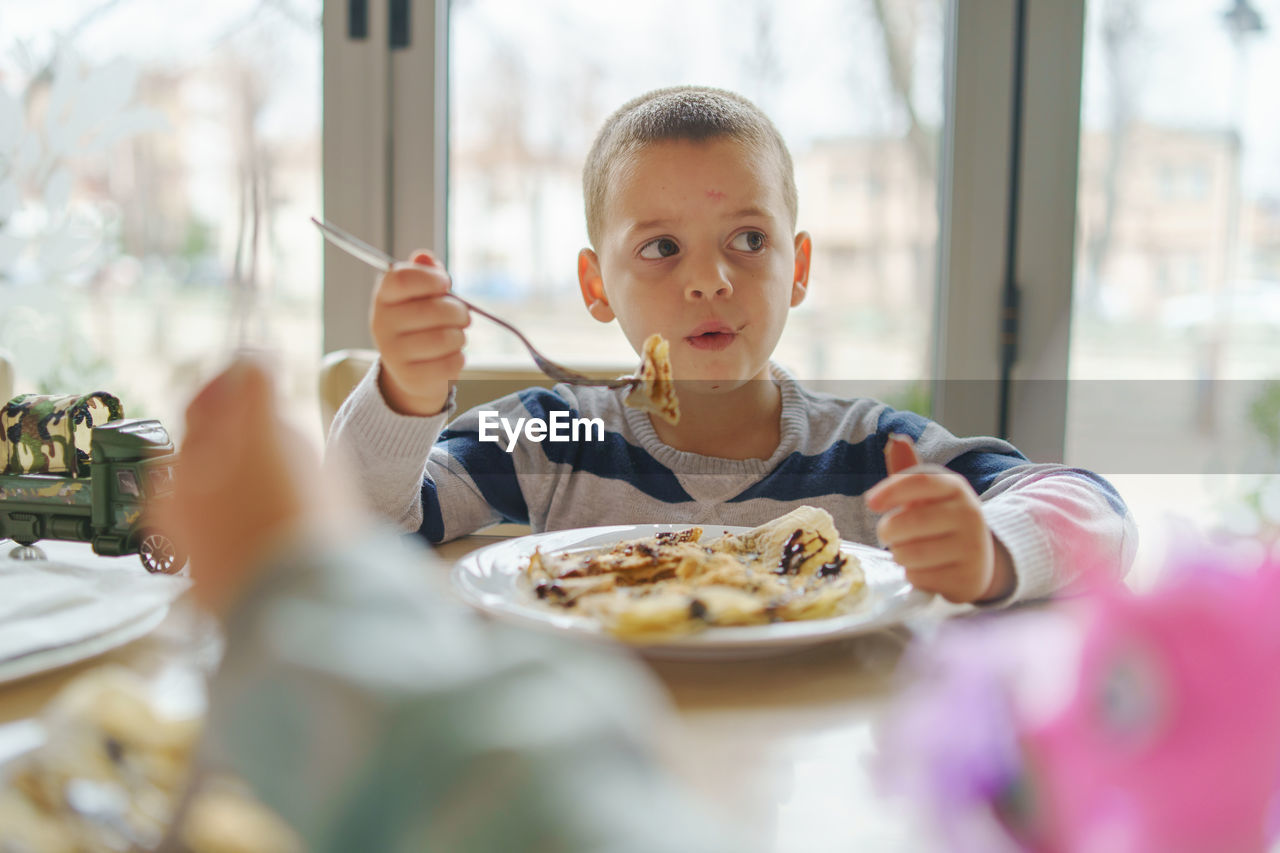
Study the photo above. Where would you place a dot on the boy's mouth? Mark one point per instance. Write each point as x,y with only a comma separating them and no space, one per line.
711,336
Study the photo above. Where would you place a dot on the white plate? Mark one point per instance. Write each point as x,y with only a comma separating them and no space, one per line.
17,739
81,650
492,579
115,625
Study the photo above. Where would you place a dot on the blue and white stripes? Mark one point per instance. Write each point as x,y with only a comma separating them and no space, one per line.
831,451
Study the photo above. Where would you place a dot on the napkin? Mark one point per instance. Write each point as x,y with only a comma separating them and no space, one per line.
46,604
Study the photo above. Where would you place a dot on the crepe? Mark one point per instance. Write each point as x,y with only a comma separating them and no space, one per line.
108,747
671,583
655,392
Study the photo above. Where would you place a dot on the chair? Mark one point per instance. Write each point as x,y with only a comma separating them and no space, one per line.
6,378
341,370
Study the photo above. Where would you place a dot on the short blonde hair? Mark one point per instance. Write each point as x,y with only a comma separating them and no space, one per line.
678,113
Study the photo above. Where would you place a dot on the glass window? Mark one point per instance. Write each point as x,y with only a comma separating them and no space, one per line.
158,162
127,484
160,479
855,88
1177,277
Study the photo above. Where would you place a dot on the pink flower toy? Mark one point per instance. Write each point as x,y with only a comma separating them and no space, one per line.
1114,722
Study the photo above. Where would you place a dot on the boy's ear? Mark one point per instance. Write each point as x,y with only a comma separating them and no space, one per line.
592,284
800,283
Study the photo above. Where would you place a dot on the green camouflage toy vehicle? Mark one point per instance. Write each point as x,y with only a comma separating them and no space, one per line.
72,468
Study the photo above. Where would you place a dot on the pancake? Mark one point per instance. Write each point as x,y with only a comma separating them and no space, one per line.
656,392
672,583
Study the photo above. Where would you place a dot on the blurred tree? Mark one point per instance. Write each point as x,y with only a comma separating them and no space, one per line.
1121,27
899,29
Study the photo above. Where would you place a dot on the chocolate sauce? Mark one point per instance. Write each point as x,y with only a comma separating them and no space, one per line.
115,750
832,569
553,590
644,549
793,553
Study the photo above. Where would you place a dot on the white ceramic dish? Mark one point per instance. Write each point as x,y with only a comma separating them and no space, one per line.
46,660
492,579
17,739
73,560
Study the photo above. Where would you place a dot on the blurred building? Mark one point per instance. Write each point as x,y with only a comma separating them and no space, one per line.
1154,221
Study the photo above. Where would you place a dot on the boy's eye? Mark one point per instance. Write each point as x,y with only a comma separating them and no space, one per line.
663,247
749,241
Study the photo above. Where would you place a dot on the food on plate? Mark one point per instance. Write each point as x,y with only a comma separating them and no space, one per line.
672,583
656,392
109,775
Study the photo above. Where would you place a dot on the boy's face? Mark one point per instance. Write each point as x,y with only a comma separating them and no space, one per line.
696,245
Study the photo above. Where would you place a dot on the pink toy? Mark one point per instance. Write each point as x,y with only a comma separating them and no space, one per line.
1165,735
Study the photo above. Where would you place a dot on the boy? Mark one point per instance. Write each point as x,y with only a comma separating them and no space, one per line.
691,212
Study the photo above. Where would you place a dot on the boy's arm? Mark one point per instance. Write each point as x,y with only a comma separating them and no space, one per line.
1056,522
402,476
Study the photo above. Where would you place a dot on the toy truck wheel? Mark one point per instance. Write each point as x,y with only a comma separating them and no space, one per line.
159,554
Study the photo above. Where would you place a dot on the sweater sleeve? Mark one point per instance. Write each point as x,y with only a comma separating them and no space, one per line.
1057,522
384,452
403,466
442,481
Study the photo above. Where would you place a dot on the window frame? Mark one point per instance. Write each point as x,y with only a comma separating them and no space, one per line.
385,136
384,139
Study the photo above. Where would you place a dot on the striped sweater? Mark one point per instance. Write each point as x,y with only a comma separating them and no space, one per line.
446,481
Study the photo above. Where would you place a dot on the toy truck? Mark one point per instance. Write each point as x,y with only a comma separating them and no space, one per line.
51,487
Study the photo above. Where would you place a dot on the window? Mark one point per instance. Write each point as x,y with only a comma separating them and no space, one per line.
855,88
157,165
919,92
160,479
1177,278
127,484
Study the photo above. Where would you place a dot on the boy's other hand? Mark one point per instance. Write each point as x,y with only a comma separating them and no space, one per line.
417,328
934,526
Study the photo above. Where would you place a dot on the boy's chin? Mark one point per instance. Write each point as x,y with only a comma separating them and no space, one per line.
711,386
715,376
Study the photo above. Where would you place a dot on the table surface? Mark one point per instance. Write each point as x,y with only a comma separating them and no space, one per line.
782,745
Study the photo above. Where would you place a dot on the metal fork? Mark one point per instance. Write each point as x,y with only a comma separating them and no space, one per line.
381,260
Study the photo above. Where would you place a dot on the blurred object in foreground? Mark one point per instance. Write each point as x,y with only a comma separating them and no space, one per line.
1115,722
108,772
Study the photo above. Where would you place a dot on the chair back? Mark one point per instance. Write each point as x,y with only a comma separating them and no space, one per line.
6,393
6,377
342,370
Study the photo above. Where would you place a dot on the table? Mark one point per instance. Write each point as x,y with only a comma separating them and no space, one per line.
782,745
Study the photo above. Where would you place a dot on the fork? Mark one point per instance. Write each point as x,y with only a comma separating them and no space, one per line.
378,259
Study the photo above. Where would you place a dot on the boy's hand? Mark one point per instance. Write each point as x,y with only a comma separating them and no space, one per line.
933,524
418,332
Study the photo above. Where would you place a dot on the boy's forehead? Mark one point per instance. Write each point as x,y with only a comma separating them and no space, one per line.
680,151
746,175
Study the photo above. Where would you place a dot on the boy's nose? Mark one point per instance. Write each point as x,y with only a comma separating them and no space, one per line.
708,284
